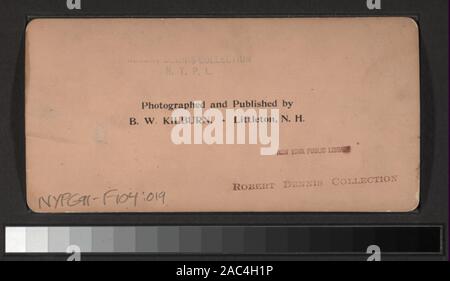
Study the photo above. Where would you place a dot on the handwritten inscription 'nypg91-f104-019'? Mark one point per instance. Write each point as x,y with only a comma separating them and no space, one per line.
111,197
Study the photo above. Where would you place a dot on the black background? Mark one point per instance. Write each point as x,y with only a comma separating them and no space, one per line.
431,15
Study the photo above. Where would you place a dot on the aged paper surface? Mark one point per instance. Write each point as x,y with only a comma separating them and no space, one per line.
100,94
